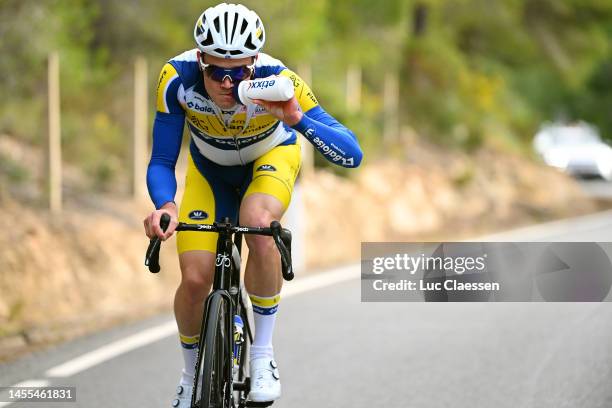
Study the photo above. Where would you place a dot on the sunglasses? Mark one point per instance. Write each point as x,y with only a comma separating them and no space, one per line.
235,74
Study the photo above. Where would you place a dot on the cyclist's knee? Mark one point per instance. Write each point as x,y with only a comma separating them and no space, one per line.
259,218
194,289
258,210
197,272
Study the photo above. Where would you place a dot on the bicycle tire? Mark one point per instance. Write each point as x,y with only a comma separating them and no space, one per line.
213,378
240,396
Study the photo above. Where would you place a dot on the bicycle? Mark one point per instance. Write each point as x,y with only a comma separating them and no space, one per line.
221,372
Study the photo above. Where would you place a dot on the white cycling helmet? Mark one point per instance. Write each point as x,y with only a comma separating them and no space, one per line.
229,31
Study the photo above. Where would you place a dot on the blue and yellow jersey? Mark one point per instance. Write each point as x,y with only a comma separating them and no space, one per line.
181,90
232,137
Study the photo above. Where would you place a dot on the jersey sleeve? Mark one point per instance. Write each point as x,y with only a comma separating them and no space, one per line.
167,100
167,136
334,140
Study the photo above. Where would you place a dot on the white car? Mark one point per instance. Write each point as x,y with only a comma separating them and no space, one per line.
575,148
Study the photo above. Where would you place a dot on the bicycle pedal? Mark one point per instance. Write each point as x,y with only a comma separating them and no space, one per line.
259,404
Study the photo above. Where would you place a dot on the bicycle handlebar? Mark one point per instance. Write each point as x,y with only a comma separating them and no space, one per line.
281,236
152,255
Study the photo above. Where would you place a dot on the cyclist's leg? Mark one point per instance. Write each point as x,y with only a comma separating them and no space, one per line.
196,261
200,203
263,279
262,275
266,199
197,270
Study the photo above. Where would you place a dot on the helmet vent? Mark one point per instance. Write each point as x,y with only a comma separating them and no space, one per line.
217,24
234,27
226,27
249,43
244,27
208,40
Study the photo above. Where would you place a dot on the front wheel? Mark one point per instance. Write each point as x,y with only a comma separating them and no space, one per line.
213,375
242,374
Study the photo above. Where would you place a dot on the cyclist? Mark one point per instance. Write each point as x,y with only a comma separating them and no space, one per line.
243,161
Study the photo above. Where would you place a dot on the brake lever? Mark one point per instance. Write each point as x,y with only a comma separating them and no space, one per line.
152,255
282,237
285,236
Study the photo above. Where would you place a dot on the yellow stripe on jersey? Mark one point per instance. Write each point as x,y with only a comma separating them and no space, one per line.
303,93
210,124
165,77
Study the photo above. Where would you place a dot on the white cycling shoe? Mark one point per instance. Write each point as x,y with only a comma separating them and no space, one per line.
183,396
265,380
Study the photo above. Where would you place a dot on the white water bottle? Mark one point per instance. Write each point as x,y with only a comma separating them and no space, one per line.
272,88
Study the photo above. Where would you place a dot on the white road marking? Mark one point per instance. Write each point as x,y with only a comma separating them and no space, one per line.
321,280
112,350
32,383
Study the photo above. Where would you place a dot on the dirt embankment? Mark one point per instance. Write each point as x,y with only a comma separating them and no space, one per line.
436,195
64,275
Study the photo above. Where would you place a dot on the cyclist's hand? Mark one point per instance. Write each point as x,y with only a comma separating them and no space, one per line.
285,111
151,223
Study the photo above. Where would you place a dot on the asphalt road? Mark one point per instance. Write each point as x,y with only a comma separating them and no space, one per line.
333,350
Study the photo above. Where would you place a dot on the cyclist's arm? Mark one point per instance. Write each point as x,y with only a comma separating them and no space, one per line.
167,136
336,142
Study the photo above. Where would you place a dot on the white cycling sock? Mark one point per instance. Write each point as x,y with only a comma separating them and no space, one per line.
189,346
264,313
